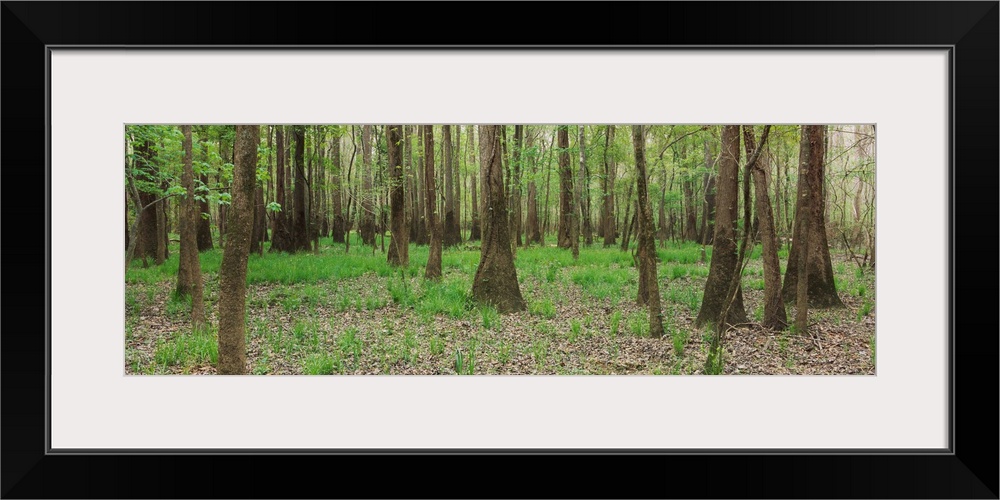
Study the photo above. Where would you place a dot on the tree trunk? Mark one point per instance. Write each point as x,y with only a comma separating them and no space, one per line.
300,235
531,222
281,239
774,308
148,232
399,254
649,288
610,172
691,219
515,192
822,288
189,268
708,212
433,270
336,195
583,190
367,213
458,181
567,231
495,282
161,230
233,270
627,223
477,210
451,234
724,259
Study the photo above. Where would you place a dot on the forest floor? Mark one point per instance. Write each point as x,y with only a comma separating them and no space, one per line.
337,313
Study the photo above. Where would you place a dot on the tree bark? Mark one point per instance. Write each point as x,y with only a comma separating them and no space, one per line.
233,270
708,212
608,228
724,259
281,239
584,190
475,229
189,268
367,213
451,234
822,288
515,192
649,289
567,222
495,282
774,308
399,246
336,195
690,209
300,235
433,270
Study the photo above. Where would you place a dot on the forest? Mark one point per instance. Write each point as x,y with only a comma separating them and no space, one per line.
499,249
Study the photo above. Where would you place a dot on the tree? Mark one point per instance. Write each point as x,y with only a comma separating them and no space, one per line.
649,289
708,212
399,254
452,236
233,270
337,226
433,270
608,228
495,282
281,236
300,233
583,190
475,229
774,308
189,269
810,204
367,213
724,264
567,213
515,184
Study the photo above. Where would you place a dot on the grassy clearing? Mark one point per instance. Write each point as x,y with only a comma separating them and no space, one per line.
351,313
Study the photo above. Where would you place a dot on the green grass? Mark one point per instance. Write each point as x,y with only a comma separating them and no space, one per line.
638,324
189,349
866,307
616,319
350,344
322,364
542,308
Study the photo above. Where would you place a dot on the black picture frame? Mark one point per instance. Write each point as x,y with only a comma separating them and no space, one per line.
968,470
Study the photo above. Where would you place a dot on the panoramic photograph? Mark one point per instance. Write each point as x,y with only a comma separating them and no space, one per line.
473,249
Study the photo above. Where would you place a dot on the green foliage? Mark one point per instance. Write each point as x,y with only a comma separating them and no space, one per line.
323,364
350,344
616,318
638,324
490,317
542,308
188,349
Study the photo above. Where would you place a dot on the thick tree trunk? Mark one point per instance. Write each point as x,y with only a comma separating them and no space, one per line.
691,210
495,282
367,213
336,194
433,270
531,233
515,192
584,191
458,180
708,211
475,229
189,268
399,245
822,288
300,234
608,228
161,230
649,288
451,232
774,308
233,270
567,212
281,237
724,258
